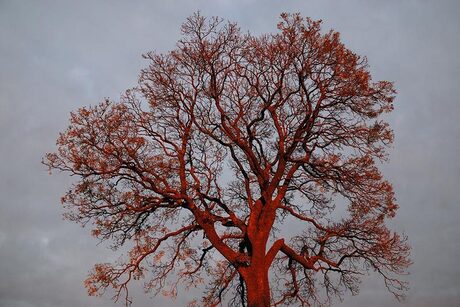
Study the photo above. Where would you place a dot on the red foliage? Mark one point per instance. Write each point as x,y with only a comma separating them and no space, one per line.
295,116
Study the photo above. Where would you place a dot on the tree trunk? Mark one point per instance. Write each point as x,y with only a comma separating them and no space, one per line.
257,287
256,277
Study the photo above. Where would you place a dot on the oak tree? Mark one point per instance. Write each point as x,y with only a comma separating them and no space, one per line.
236,161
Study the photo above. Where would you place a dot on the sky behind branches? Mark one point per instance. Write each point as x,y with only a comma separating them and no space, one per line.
56,56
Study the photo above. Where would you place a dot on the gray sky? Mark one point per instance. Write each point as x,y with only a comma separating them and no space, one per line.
58,55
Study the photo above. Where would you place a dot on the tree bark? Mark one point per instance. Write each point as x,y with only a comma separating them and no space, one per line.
258,287
256,277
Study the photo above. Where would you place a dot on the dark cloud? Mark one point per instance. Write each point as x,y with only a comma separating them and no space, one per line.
58,55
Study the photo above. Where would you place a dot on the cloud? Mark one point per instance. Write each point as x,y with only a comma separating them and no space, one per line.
57,56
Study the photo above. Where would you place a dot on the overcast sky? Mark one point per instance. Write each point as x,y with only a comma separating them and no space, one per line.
56,56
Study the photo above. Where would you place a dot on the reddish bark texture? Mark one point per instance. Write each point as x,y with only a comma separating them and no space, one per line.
226,138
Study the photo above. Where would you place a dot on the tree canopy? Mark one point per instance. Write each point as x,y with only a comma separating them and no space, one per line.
237,160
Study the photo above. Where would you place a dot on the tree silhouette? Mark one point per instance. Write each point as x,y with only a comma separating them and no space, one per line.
226,140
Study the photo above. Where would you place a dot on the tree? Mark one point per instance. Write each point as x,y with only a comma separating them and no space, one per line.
224,141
